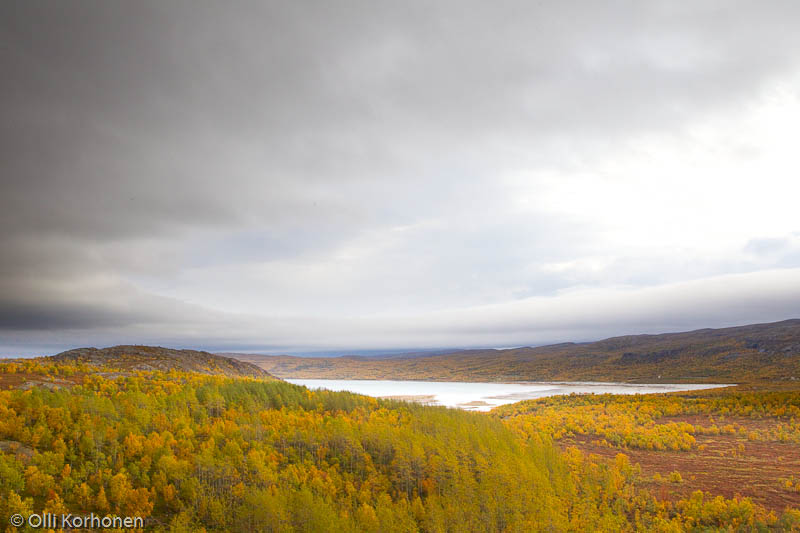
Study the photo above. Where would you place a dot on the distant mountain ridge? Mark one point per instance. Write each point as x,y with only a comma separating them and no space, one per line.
355,354
735,354
133,357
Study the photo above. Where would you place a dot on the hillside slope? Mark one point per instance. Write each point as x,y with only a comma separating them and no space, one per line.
745,353
163,359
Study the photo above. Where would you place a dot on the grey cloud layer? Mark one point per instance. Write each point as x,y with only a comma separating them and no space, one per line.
185,166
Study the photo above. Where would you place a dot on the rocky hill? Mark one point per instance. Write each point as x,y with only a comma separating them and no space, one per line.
164,359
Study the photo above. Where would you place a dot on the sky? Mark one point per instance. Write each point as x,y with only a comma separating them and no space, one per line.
297,177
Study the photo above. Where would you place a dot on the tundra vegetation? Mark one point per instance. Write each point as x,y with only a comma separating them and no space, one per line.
193,451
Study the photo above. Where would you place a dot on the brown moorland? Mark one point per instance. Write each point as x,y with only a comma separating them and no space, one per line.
757,353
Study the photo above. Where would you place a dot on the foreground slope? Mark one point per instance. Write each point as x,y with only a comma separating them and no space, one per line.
754,352
191,451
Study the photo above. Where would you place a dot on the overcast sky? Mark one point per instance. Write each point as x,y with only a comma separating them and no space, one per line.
301,176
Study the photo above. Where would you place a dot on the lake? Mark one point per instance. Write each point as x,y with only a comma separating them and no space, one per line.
484,396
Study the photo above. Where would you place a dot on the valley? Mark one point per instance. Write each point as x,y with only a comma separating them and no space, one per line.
192,441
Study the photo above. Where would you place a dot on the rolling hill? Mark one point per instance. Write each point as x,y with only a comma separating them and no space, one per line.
149,358
754,352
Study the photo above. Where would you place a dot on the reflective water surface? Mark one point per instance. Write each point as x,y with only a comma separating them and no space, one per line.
484,396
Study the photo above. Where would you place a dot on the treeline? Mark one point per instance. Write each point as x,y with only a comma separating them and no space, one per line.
191,452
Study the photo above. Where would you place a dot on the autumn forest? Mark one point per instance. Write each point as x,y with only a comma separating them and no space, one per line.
212,449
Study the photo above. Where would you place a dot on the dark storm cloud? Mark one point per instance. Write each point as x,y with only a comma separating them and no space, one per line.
336,158
24,316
